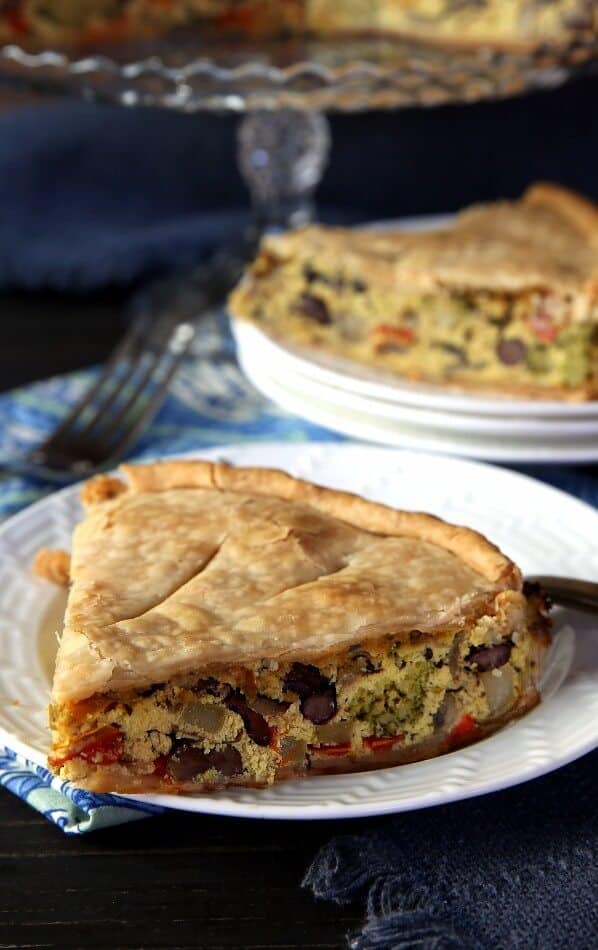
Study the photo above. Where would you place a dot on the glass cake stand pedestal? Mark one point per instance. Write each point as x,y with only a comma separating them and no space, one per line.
284,88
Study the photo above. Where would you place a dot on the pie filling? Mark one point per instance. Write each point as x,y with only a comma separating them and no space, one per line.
410,697
527,339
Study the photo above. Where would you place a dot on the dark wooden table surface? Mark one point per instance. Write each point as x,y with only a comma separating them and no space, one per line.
172,881
179,881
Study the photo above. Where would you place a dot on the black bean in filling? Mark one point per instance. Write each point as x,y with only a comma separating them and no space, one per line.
320,707
304,679
511,352
256,726
339,281
488,658
317,694
314,308
313,276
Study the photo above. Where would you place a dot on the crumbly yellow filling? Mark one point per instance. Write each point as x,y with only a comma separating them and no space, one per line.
482,337
274,717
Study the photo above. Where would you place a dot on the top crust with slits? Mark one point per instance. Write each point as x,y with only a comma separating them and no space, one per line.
199,565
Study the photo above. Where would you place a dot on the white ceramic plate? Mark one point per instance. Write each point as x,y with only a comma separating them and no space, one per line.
333,410
253,350
544,530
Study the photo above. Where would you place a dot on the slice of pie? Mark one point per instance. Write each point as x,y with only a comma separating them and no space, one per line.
506,298
230,626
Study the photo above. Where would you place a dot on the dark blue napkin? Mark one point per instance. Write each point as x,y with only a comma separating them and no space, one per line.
94,195
516,870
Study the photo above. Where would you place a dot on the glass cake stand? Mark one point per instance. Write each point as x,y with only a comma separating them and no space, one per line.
284,88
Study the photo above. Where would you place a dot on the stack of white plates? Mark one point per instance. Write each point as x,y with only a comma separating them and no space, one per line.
347,399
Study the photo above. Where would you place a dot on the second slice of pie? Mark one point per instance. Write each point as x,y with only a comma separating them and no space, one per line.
505,299
240,626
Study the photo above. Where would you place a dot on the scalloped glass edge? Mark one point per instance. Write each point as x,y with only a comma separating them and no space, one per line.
181,72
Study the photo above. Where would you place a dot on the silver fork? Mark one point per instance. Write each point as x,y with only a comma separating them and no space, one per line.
569,592
111,414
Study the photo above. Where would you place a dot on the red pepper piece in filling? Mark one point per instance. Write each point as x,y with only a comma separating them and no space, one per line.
542,326
103,747
161,770
375,743
400,334
332,750
463,732
161,766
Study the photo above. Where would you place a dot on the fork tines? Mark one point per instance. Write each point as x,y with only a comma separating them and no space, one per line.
130,388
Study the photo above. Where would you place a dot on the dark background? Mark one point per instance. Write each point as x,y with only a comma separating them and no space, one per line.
181,881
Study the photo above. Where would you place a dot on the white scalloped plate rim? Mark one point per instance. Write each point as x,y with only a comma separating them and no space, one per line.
562,728
335,373
332,411
261,356
251,355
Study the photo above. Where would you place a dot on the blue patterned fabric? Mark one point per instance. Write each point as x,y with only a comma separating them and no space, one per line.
96,225
74,810
133,192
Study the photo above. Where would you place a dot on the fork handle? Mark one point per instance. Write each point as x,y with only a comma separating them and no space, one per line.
569,592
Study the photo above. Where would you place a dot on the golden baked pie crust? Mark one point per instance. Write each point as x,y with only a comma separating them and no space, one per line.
549,239
200,565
